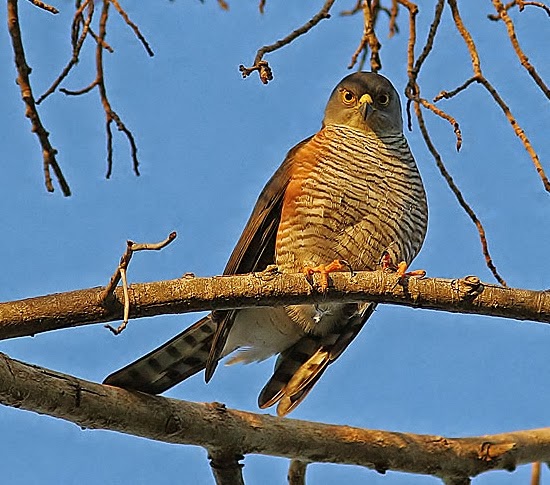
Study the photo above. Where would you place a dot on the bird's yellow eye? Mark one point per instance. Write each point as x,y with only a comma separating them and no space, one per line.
383,99
348,97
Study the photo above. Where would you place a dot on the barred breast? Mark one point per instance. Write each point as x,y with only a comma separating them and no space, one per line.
354,196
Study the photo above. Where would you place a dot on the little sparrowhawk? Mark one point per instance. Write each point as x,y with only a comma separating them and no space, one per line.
351,192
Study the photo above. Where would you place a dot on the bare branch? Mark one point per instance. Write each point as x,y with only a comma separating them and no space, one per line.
107,296
44,6
134,27
480,78
110,114
77,41
503,13
262,65
23,71
213,426
458,194
368,38
82,307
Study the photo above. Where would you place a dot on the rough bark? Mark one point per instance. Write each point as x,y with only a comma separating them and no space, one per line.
213,426
189,294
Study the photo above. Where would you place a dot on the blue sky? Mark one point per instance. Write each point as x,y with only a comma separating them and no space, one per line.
208,141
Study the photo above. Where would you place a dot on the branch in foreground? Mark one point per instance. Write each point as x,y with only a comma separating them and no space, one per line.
213,426
189,294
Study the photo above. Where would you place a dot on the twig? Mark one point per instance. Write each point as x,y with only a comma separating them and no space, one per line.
120,274
503,13
261,6
442,114
23,71
226,467
545,7
454,92
393,18
297,472
79,92
110,114
353,10
78,39
223,4
133,26
413,94
480,78
262,65
368,38
44,6
458,194
521,4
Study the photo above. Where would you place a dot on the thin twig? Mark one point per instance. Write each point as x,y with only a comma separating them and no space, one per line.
368,38
78,39
79,92
261,6
442,114
111,114
545,7
133,26
223,5
23,72
503,13
454,92
393,18
44,6
480,78
458,194
120,273
352,11
262,65
132,247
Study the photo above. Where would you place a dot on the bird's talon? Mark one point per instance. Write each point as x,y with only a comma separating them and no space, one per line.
324,270
387,264
403,273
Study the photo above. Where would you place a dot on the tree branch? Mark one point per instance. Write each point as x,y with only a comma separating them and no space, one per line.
189,294
213,426
23,80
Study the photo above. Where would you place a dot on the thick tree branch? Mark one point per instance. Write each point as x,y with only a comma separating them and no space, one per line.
189,294
213,426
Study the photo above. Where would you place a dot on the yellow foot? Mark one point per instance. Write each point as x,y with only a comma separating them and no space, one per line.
324,270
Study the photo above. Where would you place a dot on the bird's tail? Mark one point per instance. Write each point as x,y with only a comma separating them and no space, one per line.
299,368
169,364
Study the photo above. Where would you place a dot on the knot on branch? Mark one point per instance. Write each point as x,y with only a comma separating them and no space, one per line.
264,71
467,288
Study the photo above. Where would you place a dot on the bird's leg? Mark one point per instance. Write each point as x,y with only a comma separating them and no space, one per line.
401,269
324,270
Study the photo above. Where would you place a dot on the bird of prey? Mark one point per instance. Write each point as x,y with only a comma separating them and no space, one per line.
350,195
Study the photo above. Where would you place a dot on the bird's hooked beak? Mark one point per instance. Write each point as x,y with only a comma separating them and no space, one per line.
365,105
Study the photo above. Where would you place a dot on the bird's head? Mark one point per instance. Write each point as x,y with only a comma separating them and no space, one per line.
365,101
